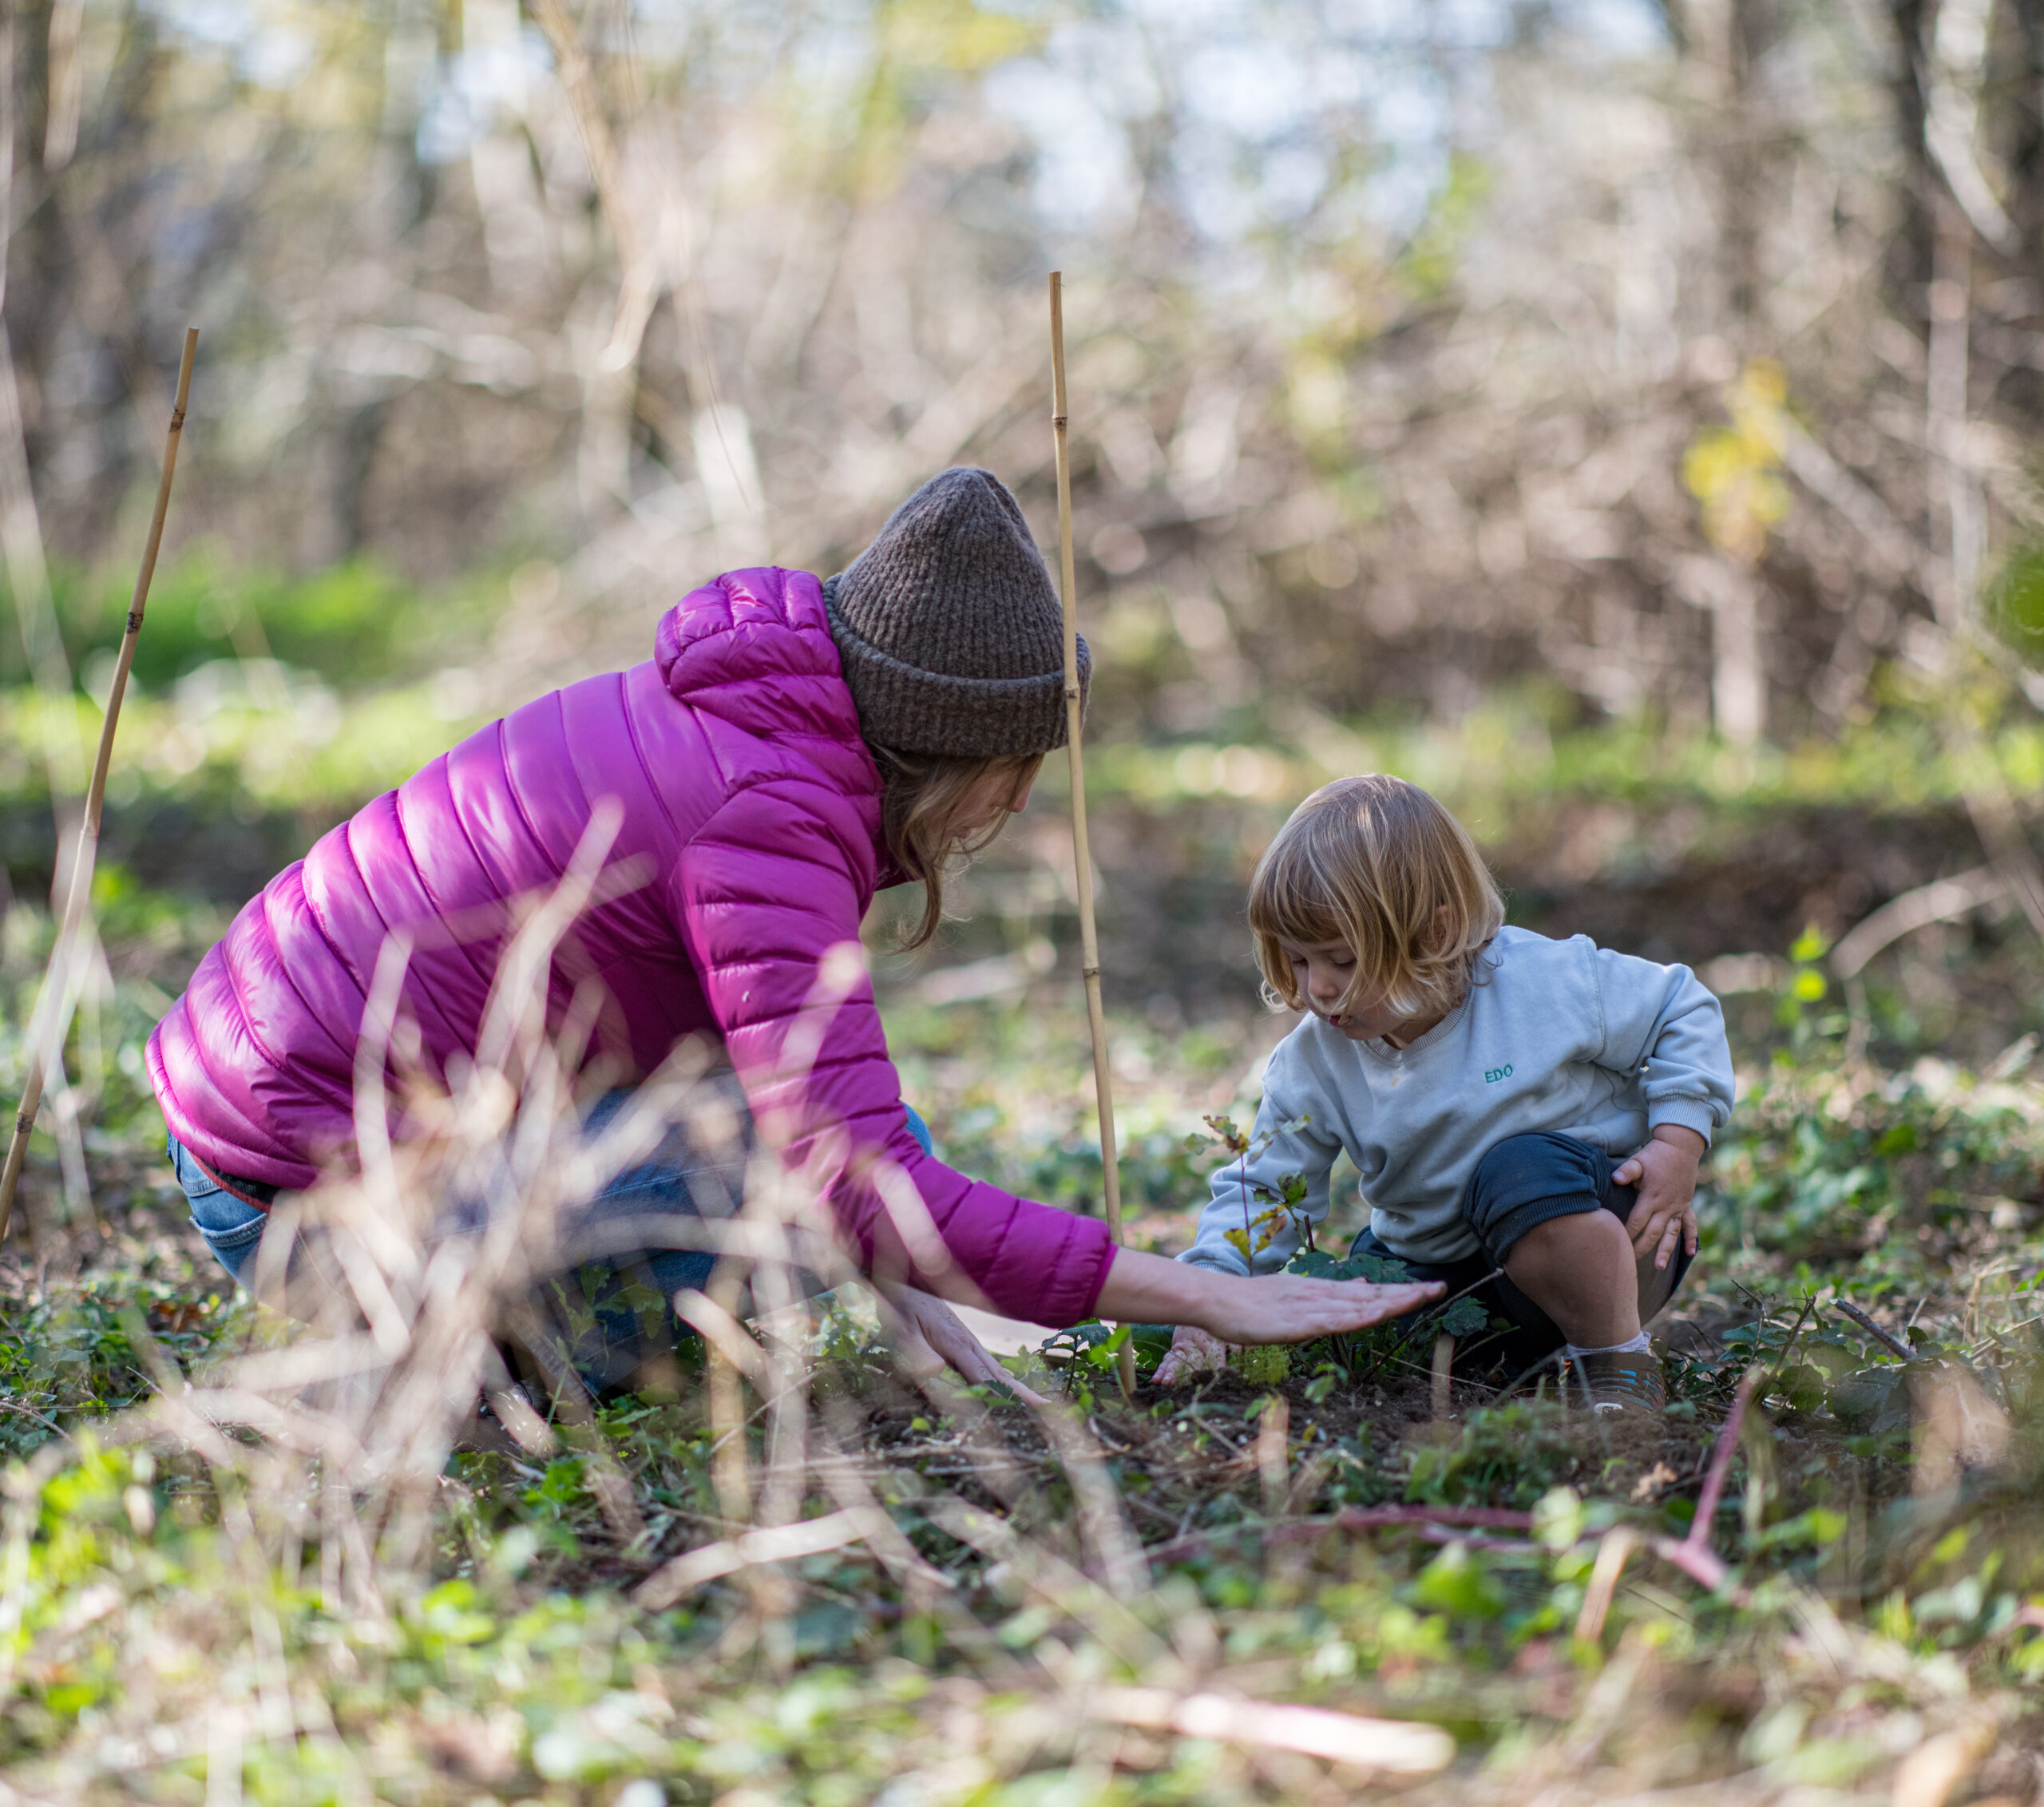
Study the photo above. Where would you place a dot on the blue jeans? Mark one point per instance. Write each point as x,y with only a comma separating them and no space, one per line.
231,1226
612,1314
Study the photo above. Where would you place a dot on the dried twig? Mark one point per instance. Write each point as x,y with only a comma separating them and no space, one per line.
1387,1745
46,1043
1886,1338
1089,939
1444,1374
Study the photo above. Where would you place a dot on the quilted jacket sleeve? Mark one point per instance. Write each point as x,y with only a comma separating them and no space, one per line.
764,892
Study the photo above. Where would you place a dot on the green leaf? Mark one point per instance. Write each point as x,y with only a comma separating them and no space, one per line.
1225,1133
1456,1582
1861,1399
1152,1343
1101,1354
1809,946
1465,1318
1804,1386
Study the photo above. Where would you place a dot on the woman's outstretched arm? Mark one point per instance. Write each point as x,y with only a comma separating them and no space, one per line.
1145,1289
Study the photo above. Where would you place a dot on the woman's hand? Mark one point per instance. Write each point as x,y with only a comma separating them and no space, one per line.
1194,1351
1283,1308
929,1336
1288,1308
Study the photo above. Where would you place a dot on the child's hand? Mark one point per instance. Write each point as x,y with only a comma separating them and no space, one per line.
1664,1172
1193,1351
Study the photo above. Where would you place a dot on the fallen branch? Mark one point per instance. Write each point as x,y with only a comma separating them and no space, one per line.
1941,901
811,1537
1886,1338
1477,1540
1363,1518
1391,1744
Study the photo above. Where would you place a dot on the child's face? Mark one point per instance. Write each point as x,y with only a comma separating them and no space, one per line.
1323,971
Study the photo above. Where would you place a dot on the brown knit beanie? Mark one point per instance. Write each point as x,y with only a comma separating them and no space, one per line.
951,637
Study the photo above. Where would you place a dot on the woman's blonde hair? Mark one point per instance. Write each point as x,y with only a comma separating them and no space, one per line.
1374,861
923,802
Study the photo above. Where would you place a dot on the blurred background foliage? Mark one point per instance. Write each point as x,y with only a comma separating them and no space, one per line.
1620,416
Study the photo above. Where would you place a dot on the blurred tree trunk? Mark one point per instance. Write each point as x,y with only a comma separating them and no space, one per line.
1747,139
1912,249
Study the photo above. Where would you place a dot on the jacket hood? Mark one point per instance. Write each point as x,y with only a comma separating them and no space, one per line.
753,648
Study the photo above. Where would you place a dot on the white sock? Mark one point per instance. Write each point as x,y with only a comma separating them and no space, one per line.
1635,1347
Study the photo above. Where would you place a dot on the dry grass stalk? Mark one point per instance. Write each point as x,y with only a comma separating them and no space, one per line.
1443,1375
54,1004
1089,939
1390,1745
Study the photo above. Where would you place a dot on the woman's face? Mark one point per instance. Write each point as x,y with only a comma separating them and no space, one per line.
998,793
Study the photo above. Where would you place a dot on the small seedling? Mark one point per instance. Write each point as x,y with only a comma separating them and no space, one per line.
1284,1203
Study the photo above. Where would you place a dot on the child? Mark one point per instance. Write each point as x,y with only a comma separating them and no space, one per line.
1527,1115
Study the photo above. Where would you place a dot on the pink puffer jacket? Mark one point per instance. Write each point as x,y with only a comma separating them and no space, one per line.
753,808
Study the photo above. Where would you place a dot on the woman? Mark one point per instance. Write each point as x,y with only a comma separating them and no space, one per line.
792,747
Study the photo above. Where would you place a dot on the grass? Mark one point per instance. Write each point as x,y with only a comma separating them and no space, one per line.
223,1577
178,1605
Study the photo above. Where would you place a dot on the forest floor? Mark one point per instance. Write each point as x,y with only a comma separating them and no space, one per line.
207,1592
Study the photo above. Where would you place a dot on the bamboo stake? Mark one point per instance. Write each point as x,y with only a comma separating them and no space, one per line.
49,1016
1089,939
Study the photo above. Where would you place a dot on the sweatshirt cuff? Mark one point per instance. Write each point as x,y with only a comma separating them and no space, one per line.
1686,1113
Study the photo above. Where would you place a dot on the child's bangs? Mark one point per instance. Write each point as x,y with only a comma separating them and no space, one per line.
1290,904
1297,894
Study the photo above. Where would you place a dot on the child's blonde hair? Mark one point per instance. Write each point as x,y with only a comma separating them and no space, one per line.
1374,861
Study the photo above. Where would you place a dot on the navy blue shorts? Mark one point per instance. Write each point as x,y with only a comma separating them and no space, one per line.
1522,1181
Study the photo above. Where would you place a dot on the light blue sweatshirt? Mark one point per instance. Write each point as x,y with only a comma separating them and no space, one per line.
1560,1036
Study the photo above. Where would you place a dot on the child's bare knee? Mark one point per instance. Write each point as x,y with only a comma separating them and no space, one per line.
1578,1235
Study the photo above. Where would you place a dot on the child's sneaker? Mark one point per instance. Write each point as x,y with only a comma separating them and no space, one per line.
1615,1383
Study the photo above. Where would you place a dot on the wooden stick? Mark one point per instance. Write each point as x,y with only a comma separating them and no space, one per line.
49,1015
1886,1338
1089,939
